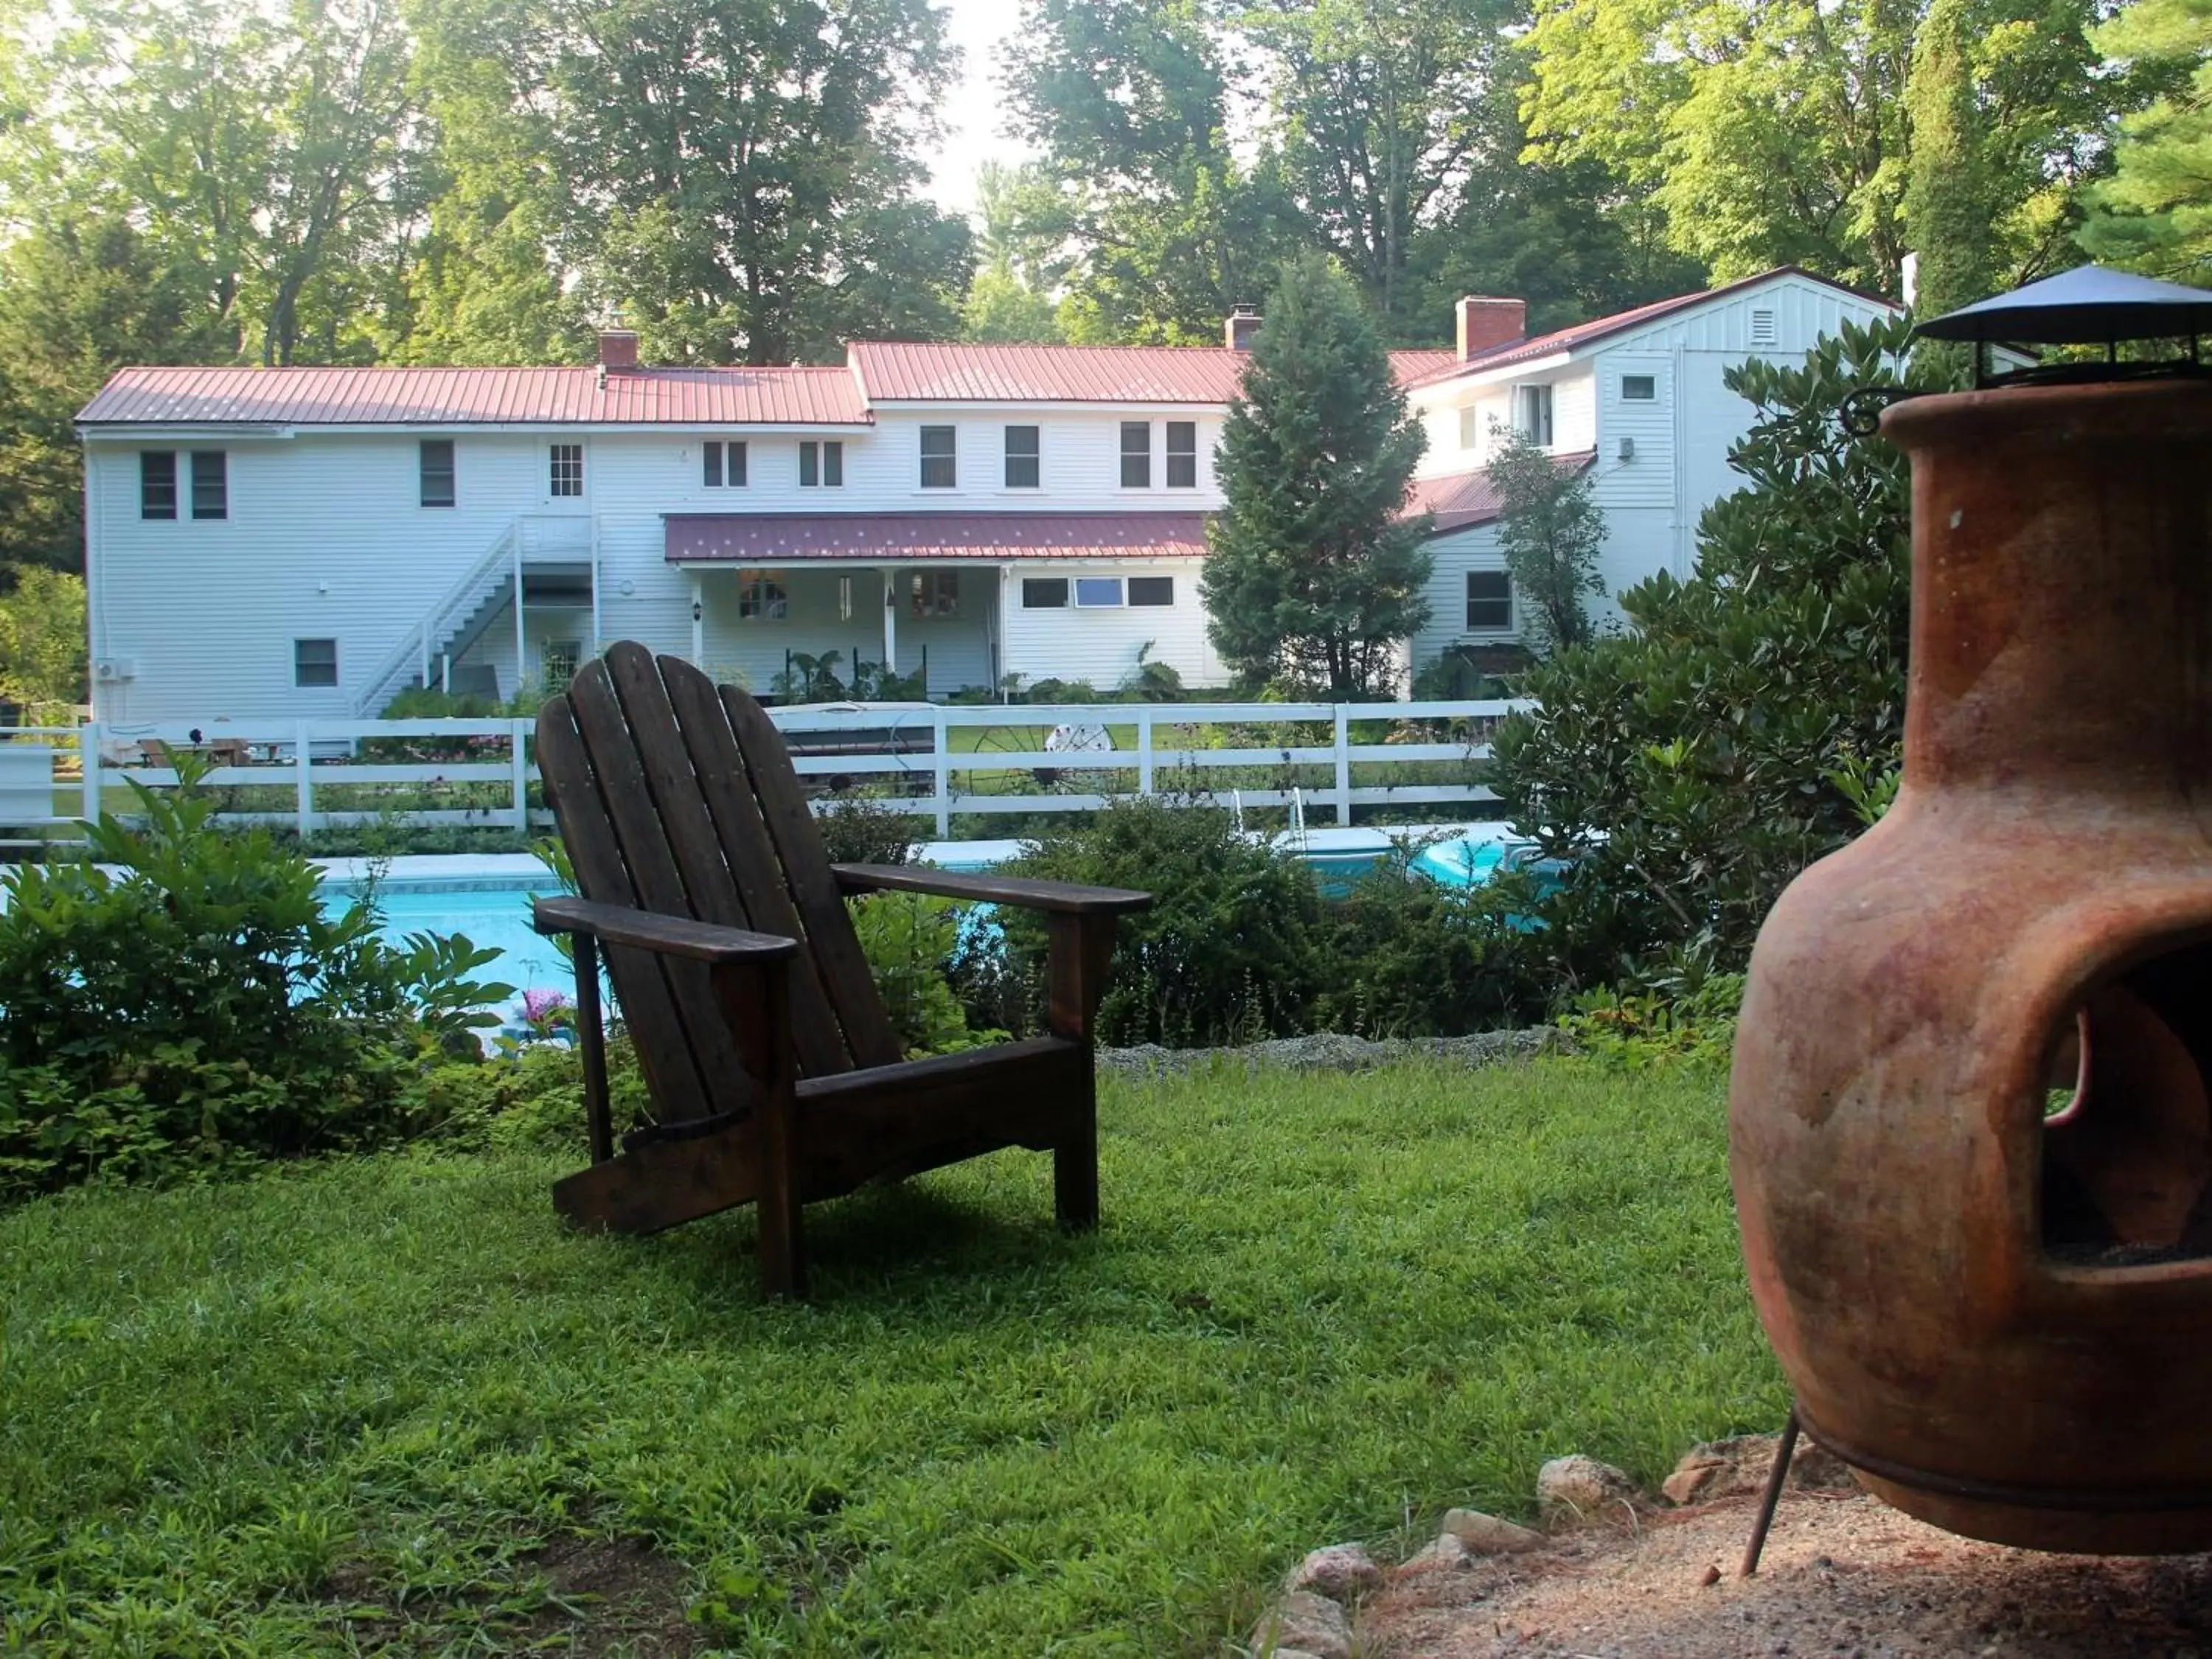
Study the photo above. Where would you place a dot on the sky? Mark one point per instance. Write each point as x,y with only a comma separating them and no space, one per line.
971,115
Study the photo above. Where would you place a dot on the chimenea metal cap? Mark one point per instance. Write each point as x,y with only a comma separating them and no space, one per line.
2086,306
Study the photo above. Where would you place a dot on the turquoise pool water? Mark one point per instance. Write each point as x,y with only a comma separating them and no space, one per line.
495,911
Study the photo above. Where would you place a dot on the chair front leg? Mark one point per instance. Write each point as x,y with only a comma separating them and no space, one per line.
599,1121
1080,955
755,999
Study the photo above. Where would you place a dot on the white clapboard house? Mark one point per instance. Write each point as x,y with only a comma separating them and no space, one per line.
310,542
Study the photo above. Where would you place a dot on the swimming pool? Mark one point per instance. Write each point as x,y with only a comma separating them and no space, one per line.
493,907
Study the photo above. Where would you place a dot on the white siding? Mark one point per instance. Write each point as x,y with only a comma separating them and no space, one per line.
1103,645
1456,554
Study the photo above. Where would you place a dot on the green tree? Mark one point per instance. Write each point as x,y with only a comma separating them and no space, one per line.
2156,212
1550,532
1950,190
1128,102
1693,765
739,177
265,151
1315,577
1771,133
42,637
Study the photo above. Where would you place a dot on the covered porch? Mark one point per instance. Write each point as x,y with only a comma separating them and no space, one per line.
893,605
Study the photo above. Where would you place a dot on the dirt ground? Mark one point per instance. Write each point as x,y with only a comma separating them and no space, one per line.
1843,1576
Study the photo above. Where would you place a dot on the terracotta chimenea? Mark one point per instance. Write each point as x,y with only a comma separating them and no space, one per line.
1971,1133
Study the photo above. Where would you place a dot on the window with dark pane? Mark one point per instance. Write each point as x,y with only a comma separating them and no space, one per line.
1044,592
936,593
1183,456
1489,601
210,485
1136,454
568,470
733,465
315,662
1152,590
1022,470
833,465
437,472
711,465
157,483
939,465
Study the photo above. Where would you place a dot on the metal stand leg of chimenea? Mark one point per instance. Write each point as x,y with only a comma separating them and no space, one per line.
1776,1478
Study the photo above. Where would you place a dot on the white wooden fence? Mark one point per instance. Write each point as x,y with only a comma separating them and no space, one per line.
949,759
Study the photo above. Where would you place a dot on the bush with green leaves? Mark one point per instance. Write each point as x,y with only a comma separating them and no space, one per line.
177,998
1411,958
910,940
1691,767
1232,947
868,830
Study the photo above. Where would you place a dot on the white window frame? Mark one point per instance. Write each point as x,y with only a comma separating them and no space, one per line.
1173,455
1120,601
951,457
1470,428
558,456
1127,454
1649,395
330,684
1532,412
933,592
1066,593
1129,593
1034,455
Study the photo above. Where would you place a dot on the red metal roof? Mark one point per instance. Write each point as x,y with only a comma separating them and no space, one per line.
902,371
772,538
1566,339
905,372
1461,499
439,397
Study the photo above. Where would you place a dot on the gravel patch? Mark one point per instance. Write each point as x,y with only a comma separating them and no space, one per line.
1844,1578
1328,1052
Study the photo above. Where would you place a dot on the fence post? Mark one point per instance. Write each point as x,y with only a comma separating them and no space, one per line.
1144,750
1343,766
303,778
520,759
942,760
88,740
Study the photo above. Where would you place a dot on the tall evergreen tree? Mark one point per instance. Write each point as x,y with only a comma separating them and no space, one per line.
2156,212
1314,576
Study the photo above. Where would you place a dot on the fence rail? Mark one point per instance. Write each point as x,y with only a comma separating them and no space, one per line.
983,759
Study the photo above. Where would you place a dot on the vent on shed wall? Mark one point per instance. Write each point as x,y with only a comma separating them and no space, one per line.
1763,331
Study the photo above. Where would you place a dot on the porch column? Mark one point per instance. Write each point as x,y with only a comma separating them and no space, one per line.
698,620
521,653
890,622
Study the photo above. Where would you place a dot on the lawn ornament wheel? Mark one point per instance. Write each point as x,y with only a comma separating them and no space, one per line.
1971,1127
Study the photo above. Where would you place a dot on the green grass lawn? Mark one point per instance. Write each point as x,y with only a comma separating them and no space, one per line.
391,1405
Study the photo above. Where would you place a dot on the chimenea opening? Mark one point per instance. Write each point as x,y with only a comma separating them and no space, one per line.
2127,1131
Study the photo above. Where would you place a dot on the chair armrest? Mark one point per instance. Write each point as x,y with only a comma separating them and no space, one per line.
648,930
1064,897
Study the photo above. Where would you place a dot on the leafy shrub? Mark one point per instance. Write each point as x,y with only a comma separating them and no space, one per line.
908,940
867,830
1411,958
1692,766
1688,1012
1231,949
193,1007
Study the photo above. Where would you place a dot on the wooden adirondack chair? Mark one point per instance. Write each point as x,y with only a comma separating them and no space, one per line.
773,1068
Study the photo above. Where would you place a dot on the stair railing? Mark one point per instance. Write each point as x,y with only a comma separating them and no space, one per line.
415,646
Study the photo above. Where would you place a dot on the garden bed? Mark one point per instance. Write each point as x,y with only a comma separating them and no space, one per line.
390,1402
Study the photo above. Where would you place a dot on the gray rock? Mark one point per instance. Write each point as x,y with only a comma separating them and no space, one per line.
1442,1553
1582,1486
1485,1535
1342,1572
1304,1622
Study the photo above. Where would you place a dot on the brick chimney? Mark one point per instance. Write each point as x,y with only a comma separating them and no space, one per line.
1486,323
619,349
1237,331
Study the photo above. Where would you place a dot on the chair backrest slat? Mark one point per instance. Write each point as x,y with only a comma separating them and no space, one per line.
806,875
639,979
750,857
655,882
